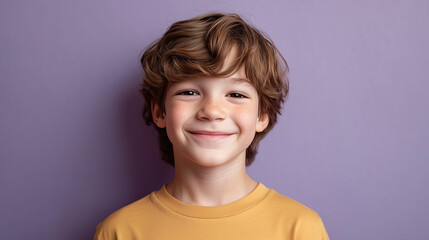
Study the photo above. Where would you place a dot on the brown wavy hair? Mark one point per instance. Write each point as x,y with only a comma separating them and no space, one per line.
199,47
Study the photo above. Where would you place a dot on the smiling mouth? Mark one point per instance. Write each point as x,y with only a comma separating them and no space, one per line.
208,135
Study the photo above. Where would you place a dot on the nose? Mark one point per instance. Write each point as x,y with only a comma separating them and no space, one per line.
211,109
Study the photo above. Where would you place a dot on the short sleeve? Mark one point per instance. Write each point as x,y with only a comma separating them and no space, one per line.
104,233
320,232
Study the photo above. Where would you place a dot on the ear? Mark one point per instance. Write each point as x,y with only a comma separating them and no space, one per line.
262,123
157,115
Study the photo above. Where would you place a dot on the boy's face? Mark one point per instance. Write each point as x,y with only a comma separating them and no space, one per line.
211,121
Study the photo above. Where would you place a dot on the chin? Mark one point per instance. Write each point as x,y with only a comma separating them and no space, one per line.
216,160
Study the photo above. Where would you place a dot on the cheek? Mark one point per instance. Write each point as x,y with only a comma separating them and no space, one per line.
247,116
176,115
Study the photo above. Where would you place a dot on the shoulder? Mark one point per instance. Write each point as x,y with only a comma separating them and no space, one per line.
304,222
124,218
294,208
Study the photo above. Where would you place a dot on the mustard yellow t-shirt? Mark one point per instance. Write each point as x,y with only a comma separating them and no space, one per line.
264,214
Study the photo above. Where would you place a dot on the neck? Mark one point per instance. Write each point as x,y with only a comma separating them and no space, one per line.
210,186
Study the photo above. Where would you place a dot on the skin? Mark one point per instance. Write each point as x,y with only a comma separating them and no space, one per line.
211,122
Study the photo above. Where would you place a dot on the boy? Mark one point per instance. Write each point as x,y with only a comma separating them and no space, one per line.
213,88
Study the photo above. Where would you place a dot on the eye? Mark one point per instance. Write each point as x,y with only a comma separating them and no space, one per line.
237,95
187,93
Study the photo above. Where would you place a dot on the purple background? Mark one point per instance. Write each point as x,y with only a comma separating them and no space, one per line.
352,143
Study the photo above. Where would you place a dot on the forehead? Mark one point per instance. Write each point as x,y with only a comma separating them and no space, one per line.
214,82
237,77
